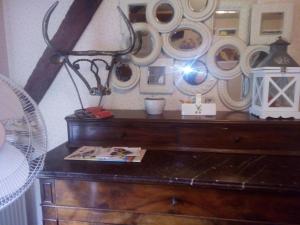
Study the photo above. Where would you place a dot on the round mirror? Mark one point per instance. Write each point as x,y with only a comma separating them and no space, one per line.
195,74
185,39
164,13
197,5
123,72
146,47
227,57
257,58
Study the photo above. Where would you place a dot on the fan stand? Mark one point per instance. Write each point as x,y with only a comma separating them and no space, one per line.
2,135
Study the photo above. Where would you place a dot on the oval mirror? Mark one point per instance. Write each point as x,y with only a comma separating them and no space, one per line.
164,13
197,5
235,88
227,58
185,39
195,74
123,72
146,47
257,58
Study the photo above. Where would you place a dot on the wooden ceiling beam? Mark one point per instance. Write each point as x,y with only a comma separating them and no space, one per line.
76,20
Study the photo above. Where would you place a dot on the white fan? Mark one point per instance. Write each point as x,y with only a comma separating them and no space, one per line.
23,141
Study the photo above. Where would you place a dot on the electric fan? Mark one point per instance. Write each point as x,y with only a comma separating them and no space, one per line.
23,142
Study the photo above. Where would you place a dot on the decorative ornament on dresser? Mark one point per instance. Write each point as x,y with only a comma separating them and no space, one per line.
276,85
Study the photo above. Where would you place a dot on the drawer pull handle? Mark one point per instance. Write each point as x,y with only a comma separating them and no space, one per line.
237,139
174,201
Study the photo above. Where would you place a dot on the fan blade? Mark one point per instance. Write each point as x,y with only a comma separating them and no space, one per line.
10,103
14,170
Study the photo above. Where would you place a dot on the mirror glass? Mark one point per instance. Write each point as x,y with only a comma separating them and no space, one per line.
226,22
164,13
123,72
238,88
257,58
195,73
146,47
185,39
198,5
157,75
227,57
137,13
272,23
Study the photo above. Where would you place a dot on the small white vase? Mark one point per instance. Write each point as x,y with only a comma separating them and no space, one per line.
155,106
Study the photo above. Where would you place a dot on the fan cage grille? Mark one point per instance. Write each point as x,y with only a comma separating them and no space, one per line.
34,152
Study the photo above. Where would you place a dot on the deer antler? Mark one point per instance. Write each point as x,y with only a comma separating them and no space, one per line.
133,37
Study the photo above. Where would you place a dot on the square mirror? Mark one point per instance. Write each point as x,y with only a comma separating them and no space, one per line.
226,22
137,13
271,23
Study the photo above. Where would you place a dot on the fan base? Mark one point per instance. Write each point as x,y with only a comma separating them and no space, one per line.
2,135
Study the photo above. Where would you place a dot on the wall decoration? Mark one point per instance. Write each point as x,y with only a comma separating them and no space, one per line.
151,44
157,78
164,15
125,76
233,98
135,10
191,77
271,20
252,57
189,40
224,57
198,10
232,18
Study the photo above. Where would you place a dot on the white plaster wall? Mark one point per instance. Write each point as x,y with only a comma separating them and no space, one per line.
3,51
23,20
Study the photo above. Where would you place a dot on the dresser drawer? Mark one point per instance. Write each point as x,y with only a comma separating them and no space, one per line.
128,135
270,137
178,200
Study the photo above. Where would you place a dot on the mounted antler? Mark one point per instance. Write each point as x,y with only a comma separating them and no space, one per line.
62,56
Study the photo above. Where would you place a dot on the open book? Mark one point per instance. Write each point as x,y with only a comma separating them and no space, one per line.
113,154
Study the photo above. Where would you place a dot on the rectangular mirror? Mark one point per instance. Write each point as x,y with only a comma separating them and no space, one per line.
226,22
157,75
272,23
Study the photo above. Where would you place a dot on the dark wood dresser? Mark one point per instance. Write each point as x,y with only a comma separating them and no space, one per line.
232,169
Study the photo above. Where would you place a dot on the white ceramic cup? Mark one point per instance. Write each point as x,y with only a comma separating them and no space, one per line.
155,106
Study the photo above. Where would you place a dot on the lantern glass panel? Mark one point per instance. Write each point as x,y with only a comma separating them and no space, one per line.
290,92
281,101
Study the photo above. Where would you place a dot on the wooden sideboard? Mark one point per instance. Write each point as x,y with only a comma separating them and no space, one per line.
185,178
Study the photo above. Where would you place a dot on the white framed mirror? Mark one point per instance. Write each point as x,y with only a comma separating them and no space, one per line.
232,19
125,76
157,78
236,93
164,15
151,44
189,40
271,20
135,10
252,57
198,10
224,58
192,77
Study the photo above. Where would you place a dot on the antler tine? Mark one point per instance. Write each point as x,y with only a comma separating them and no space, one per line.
132,38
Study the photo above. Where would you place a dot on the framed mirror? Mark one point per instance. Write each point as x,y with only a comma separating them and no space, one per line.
198,10
151,44
125,76
135,10
189,40
157,78
252,57
192,77
232,19
236,93
224,58
164,15
271,20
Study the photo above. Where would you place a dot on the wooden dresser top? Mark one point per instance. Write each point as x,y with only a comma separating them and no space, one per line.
207,170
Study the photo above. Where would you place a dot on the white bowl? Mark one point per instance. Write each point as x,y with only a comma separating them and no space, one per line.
155,106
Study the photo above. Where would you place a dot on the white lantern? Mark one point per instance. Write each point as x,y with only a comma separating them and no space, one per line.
276,85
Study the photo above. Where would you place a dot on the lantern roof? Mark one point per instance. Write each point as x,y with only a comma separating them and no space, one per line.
279,56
